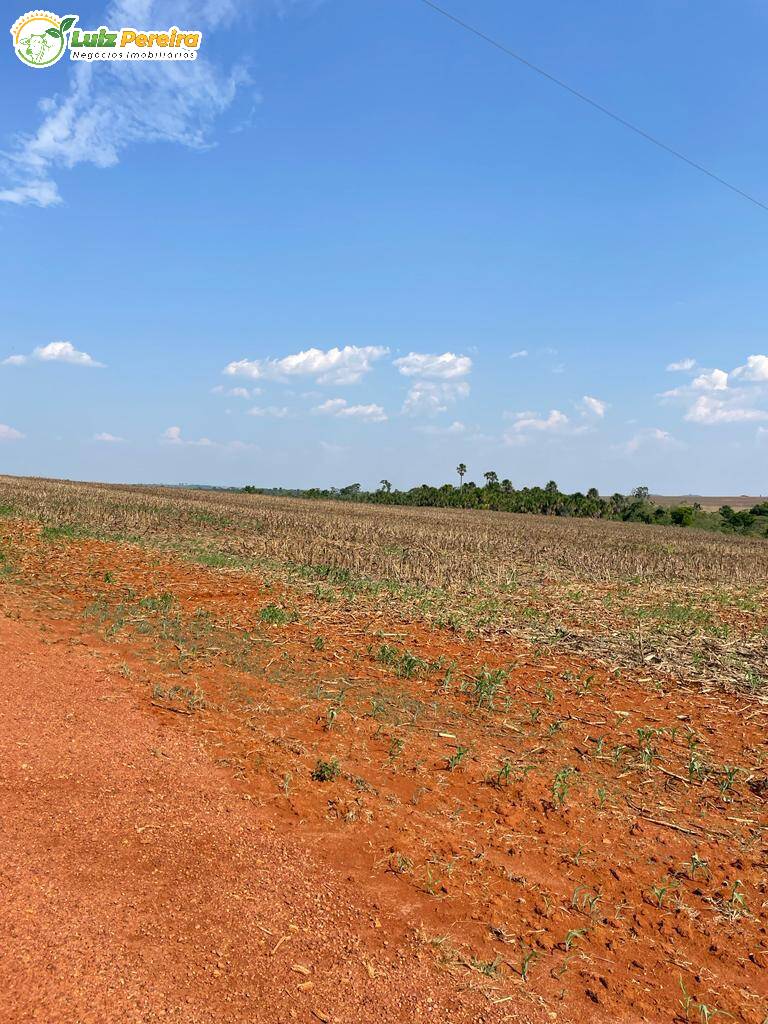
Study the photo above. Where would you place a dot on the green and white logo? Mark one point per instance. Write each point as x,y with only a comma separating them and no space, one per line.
40,38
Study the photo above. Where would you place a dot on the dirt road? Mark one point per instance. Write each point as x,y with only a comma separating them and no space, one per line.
138,885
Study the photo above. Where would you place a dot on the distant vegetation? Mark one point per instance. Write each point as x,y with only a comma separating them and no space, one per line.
501,496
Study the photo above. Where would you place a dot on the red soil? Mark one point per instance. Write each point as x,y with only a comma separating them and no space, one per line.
139,885
156,857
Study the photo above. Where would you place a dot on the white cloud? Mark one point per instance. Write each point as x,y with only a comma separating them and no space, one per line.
118,104
556,421
452,430
649,437
755,369
711,380
434,367
235,392
335,366
594,405
439,381
108,438
521,354
428,397
339,407
54,352
9,434
682,365
38,193
64,352
727,397
527,425
278,412
710,411
172,435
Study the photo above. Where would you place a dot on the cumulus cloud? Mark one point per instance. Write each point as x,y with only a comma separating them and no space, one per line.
755,369
716,397
529,421
108,438
452,430
174,436
54,352
649,437
439,381
276,411
340,408
429,397
710,411
334,366
520,354
446,366
681,366
528,424
9,433
593,405
118,104
245,393
712,380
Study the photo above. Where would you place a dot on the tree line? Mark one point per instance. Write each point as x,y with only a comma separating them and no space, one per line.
502,496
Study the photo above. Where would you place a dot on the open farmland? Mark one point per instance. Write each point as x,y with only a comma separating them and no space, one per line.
710,503
534,747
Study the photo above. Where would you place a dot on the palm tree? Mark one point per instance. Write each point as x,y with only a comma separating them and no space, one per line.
385,485
491,478
551,494
461,469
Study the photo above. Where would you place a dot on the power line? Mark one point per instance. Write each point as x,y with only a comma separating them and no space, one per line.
593,103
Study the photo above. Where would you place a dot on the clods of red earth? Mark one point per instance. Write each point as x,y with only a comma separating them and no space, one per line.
509,833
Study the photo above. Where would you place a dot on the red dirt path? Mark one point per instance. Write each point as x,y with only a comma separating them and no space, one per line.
139,886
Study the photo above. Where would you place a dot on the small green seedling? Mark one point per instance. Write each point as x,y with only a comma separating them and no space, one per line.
456,758
572,935
326,771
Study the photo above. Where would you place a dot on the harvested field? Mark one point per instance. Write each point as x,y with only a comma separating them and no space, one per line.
711,503
534,748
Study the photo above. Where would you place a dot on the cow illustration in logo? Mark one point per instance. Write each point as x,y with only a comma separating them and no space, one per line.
39,37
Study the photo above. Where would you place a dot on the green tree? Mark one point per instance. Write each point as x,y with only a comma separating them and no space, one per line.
738,522
461,469
681,515
551,495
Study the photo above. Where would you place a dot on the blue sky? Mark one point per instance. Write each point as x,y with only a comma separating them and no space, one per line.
352,241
